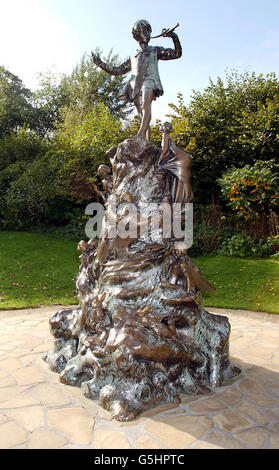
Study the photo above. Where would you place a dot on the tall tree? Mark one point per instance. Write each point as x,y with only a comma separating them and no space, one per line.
48,100
66,99
89,85
15,107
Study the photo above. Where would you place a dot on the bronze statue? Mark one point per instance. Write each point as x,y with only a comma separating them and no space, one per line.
177,163
104,172
144,85
107,183
140,334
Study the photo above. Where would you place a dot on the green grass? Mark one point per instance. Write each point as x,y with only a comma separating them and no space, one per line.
241,283
38,269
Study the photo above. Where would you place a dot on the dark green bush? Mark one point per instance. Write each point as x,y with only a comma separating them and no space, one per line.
219,232
243,245
75,228
211,226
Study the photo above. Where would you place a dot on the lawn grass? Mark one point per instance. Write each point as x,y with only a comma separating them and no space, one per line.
38,269
241,283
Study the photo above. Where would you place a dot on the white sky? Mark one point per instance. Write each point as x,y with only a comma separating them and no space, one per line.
33,38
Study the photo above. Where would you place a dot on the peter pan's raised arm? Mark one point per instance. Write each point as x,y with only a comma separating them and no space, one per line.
112,69
169,54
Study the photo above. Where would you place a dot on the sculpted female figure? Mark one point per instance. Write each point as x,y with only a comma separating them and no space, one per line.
144,85
178,163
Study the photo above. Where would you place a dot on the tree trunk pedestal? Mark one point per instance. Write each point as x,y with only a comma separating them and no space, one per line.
140,335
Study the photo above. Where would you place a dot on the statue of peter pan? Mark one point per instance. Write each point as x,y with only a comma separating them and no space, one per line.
144,85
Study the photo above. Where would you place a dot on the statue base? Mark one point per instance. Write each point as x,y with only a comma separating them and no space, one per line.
140,335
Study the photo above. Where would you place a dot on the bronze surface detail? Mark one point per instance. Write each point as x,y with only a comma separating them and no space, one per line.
144,84
140,334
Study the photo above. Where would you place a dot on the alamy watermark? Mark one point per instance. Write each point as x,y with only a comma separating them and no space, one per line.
150,221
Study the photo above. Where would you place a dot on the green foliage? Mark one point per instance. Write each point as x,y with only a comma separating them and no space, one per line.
208,239
83,150
88,86
181,123
217,232
19,153
48,100
15,107
97,133
242,245
52,142
76,120
211,226
26,201
75,228
42,188
228,124
252,190
24,145
225,240
272,244
84,90
65,100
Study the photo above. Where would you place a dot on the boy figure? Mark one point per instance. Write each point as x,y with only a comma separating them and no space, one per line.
107,182
144,85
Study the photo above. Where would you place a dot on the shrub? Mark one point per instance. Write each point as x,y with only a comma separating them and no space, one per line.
243,245
253,190
75,229
216,232
237,245
211,226
22,146
31,196
271,245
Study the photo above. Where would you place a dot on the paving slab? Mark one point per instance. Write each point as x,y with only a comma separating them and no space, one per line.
39,412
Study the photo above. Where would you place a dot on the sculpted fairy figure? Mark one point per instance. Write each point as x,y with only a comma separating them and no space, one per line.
144,85
178,164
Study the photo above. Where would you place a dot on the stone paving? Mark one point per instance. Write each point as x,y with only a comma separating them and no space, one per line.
38,412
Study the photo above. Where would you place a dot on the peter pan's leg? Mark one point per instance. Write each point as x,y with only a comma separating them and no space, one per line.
138,105
147,98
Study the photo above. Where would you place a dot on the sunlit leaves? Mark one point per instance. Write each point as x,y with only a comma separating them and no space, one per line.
230,123
252,190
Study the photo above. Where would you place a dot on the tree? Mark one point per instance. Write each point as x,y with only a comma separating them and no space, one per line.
82,150
48,100
53,140
65,100
228,124
88,85
21,146
15,107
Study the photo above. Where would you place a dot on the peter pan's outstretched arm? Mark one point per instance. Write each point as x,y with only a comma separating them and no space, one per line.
169,54
112,69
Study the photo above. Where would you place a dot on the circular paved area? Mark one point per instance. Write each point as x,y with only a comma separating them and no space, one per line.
37,411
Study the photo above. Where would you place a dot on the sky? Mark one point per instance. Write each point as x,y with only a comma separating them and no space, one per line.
216,36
